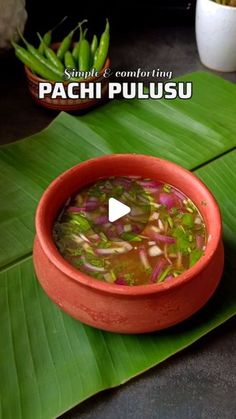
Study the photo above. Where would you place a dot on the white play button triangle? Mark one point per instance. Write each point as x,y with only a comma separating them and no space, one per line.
117,209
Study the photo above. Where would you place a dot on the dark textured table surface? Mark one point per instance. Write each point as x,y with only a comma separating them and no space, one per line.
200,381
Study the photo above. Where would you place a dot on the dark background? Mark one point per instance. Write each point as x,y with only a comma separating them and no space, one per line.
124,16
199,382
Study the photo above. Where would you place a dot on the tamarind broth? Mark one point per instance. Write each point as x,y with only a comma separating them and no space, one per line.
126,252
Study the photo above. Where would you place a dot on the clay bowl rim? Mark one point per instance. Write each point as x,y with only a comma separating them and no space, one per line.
54,46
45,236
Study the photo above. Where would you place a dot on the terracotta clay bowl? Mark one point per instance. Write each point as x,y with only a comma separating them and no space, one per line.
68,105
120,308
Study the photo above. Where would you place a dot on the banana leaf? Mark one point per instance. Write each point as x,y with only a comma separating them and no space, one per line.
48,361
189,133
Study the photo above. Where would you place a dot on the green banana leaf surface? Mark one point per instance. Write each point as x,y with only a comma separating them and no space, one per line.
49,362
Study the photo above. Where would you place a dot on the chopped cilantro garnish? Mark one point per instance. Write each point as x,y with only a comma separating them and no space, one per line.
77,262
75,252
129,277
182,242
94,261
80,221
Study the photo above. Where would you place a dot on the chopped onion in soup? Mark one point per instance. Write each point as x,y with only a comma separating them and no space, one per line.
126,252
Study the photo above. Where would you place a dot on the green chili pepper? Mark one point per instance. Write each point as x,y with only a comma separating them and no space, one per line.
95,56
65,44
101,53
75,51
94,45
47,37
164,274
33,63
46,41
85,33
94,48
34,52
69,60
84,55
52,56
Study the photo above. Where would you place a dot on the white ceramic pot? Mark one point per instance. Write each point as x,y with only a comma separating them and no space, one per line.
216,35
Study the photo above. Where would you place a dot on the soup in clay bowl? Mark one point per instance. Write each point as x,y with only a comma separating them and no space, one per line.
85,280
